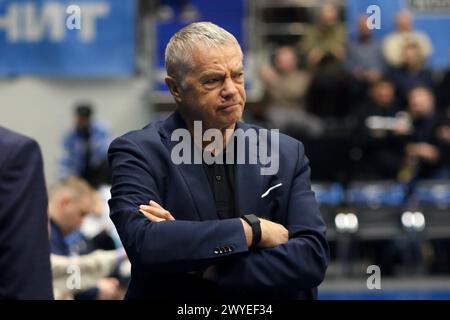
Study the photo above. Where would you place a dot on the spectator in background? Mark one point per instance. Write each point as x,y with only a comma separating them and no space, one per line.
404,34
285,94
423,158
324,48
364,61
85,148
24,251
69,203
94,268
412,73
381,126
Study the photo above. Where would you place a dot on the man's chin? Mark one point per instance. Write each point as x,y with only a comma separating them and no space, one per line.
231,119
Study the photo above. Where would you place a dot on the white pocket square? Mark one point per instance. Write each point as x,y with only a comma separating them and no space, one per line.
270,189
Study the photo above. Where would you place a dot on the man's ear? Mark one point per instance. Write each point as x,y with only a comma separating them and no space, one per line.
174,88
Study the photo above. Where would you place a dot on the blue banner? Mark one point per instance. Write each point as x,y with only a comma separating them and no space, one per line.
430,16
67,37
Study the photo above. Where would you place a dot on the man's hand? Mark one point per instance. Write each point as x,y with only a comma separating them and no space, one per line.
268,74
425,151
314,57
109,289
272,234
155,212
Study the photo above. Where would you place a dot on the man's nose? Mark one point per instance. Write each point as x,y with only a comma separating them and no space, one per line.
229,88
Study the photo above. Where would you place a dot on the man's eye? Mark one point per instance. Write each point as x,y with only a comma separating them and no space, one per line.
211,81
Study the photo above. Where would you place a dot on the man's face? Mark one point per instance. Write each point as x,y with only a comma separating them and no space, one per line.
362,26
82,123
286,60
411,56
328,16
383,94
404,22
213,90
74,210
421,103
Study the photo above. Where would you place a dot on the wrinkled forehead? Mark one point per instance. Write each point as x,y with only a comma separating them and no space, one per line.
206,57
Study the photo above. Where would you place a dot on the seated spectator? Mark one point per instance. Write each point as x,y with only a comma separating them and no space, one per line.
324,43
285,91
412,73
94,268
324,48
381,126
404,34
85,149
364,60
69,203
423,158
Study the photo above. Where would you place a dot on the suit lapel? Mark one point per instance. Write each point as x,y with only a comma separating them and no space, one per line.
249,181
193,174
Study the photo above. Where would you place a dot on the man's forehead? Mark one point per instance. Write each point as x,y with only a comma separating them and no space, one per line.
206,58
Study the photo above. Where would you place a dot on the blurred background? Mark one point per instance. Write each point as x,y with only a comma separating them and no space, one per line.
365,85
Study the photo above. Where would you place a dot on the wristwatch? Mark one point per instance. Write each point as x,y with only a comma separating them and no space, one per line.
254,222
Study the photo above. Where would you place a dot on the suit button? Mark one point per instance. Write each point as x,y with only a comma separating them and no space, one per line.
222,250
216,251
218,178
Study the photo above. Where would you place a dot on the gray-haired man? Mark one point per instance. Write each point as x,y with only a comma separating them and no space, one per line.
222,228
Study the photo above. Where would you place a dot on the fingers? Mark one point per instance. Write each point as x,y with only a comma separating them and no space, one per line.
158,212
155,204
150,216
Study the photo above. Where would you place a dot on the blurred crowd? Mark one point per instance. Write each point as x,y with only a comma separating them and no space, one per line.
83,240
374,116
379,97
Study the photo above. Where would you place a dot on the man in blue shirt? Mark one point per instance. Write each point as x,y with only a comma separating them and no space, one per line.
85,148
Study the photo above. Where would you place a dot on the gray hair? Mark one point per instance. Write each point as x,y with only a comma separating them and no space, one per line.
178,55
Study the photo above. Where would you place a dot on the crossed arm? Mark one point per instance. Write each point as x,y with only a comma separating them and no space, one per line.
272,234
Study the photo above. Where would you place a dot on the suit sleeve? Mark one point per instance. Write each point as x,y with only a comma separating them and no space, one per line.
299,264
169,246
25,271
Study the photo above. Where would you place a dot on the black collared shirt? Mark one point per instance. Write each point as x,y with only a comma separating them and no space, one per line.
221,182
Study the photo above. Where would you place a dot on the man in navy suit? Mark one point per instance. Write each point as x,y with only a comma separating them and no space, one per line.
223,228
25,271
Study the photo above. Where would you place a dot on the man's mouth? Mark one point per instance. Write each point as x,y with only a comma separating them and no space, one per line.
228,106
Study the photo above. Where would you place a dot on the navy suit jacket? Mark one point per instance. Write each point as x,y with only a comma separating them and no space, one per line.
167,256
25,271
